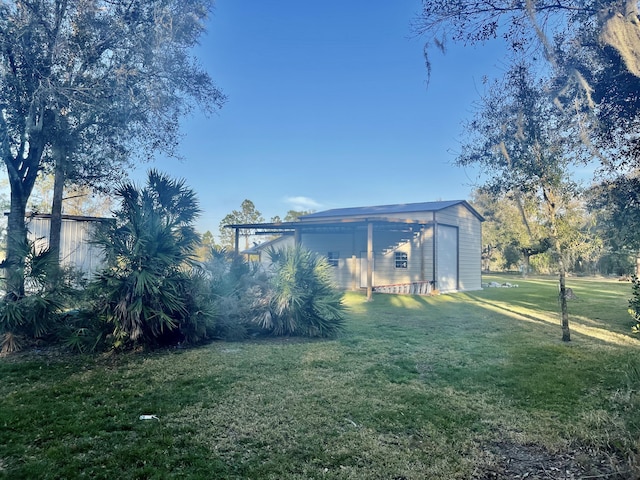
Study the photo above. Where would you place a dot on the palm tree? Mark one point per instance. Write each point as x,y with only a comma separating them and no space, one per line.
304,300
149,255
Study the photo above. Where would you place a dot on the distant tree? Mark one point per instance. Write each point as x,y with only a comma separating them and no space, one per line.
246,215
512,229
78,200
293,215
84,85
617,204
207,244
83,201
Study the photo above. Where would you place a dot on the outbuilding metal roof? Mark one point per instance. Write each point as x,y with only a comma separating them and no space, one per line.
388,209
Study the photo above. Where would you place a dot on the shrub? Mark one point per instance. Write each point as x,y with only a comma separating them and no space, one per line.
302,299
30,317
238,290
200,323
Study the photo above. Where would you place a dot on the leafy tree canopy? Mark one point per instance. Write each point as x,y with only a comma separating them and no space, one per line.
88,84
617,203
524,147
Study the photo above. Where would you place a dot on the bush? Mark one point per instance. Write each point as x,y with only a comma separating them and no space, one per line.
238,290
29,318
296,296
302,299
200,323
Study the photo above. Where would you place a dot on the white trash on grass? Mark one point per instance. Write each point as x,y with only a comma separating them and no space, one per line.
149,417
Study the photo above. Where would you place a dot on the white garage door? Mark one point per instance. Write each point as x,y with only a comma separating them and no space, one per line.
447,258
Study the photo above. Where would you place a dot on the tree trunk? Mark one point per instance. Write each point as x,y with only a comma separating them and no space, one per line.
16,244
526,264
566,333
22,173
549,198
55,226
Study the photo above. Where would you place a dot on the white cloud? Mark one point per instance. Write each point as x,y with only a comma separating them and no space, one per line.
302,203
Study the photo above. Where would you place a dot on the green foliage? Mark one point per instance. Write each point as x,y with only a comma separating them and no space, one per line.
148,289
512,256
616,264
238,291
27,318
94,83
295,296
303,300
293,215
617,206
207,243
81,331
247,214
200,323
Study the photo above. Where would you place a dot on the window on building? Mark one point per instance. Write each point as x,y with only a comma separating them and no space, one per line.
401,260
332,258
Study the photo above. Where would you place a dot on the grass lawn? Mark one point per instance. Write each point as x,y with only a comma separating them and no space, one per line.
475,385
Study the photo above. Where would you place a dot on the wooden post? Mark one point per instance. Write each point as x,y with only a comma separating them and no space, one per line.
237,241
369,261
421,247
434,252
296,237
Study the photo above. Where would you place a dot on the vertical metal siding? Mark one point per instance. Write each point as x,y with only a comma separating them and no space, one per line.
75,249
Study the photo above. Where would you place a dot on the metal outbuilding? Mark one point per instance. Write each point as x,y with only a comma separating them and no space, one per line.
75,247
402,248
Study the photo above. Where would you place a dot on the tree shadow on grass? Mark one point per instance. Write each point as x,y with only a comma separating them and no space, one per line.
596,330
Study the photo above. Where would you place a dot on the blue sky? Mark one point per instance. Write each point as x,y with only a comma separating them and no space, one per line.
328,106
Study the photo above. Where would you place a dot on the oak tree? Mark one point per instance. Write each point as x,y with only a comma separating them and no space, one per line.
85,85
522,144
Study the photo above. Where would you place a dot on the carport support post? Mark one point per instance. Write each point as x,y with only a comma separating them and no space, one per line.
237,241
369,262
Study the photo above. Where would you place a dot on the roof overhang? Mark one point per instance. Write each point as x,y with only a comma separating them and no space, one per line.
331,226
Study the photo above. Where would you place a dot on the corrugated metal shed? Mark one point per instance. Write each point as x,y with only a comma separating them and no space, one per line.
75,247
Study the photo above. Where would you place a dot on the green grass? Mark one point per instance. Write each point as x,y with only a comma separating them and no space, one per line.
416,387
